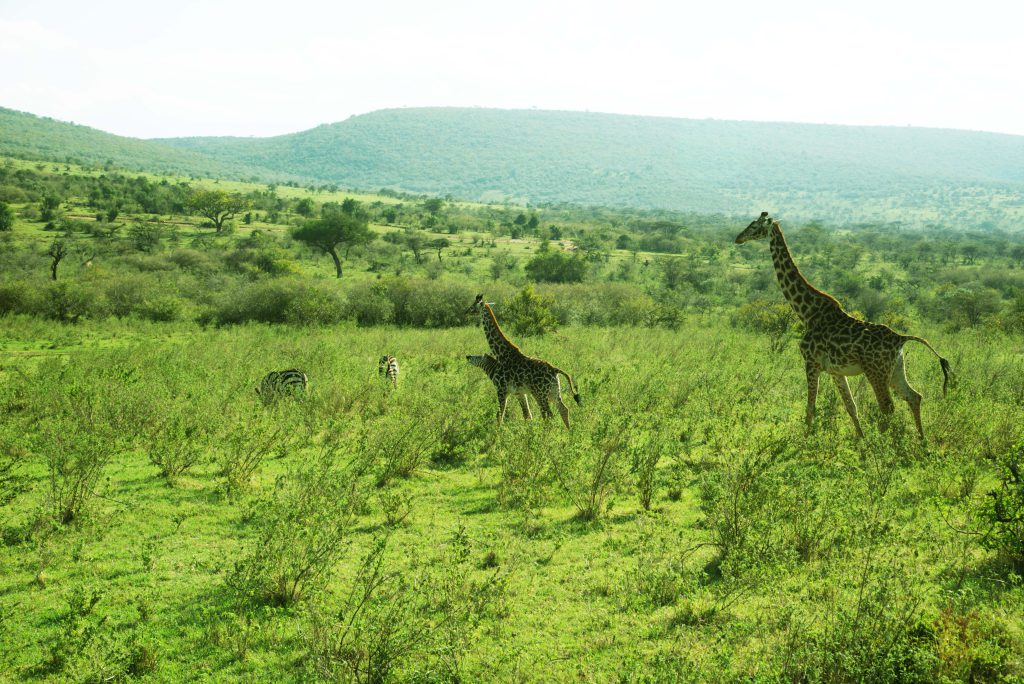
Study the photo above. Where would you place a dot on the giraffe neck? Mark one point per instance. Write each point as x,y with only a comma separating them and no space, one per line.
805,299
500,345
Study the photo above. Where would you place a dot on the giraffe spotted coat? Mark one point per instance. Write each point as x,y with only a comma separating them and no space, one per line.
839,344
513,372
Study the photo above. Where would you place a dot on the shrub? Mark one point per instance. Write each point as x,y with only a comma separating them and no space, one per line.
555,266
426,616
18,297
369,304
429,303
146,237
194,261
6,217
1004,509
178,444
299,533
776,319
589,470
244,449
160,308
529,313
317,304
67,303
743,505
77,452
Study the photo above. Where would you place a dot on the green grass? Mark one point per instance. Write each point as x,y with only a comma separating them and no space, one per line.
765,549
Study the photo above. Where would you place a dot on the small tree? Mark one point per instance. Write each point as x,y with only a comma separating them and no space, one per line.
216,205
49,208
6,217
416,242
439,244
336,230
58,250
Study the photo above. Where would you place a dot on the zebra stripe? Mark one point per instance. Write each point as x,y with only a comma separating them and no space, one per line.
388,367
280,383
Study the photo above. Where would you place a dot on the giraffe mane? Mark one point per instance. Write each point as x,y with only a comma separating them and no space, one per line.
494,319
800,274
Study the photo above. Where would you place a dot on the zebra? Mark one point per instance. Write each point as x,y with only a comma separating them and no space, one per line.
278,383
388,367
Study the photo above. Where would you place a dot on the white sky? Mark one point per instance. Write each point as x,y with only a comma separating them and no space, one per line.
226,67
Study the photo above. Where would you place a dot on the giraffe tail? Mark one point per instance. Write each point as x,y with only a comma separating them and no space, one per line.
946,369
572,386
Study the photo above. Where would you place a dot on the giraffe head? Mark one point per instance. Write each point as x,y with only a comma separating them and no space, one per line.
759,229
477,305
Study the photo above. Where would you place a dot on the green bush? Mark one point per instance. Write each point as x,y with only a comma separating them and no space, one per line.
429,303
319,303
68,302
300,530
529,313
77,453
18,297
6,217
555,266
1004,509
369,304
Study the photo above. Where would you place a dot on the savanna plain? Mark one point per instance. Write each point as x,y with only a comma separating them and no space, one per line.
161,522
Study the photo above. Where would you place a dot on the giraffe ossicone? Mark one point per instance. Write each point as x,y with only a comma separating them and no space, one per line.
836,343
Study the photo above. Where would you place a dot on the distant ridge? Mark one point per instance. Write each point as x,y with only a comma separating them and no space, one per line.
28,136
840,174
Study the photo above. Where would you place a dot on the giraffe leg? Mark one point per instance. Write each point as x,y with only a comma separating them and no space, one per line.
898,381
813,372
851,405
880,383
542,400
502,405
556,395
524,404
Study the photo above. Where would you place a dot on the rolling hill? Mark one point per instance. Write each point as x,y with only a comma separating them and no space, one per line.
841,174
837,174
27,136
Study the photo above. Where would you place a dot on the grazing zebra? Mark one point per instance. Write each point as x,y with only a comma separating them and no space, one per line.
388,367
279,383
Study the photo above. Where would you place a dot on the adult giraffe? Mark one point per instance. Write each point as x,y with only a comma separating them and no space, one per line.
839,344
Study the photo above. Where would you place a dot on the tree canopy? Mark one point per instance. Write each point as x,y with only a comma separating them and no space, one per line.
335,230
216,205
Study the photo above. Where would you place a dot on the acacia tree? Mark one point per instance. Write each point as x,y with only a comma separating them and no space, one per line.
334,231
439,244
58,250
216,205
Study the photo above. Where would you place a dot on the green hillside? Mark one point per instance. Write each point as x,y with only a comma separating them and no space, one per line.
27,136
841,175
836,173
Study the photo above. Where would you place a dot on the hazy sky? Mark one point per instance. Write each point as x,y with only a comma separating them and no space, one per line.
221,67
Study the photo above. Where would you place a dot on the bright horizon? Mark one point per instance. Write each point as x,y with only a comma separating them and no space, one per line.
258,69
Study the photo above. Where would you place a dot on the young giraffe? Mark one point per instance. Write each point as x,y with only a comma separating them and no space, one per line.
516,373
488,364
838,344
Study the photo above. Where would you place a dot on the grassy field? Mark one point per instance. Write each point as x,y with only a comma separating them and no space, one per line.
158,522
167,525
